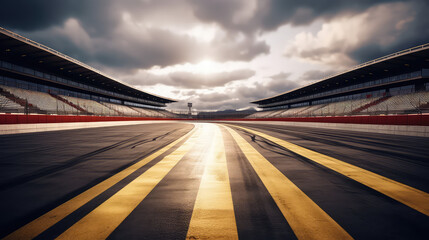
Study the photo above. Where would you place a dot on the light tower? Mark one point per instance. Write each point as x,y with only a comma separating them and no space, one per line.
190,111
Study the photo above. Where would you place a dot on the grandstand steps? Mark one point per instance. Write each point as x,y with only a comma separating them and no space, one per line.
310,112
70,103
113,109
22,102
424,107
276,113
298,113
373,103
8,106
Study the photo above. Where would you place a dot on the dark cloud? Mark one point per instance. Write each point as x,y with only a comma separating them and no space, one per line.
113,39
188,80
410,30
271,14
313,75
268,15
130,50
210,101
360,37
101,19
96,15
277,83
127,35
242,15
302,12
192,80
237,97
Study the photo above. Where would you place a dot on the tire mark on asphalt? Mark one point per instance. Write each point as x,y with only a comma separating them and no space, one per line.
410,157
77,160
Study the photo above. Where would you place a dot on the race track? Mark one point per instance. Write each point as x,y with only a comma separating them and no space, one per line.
223,180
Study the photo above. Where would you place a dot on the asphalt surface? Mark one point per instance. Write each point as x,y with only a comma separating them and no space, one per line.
40,172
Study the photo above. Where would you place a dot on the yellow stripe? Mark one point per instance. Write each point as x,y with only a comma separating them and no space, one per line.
213,216
39,225
103,220
306,218
407,195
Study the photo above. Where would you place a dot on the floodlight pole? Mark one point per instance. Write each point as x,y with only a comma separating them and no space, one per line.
190,111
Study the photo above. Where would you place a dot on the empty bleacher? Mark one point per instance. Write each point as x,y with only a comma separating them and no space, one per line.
407,103
341,108
154,113
143,111
293,112
310,111
91,106
167,113
262,114
42,101
399,104
121,110
17,100
9,106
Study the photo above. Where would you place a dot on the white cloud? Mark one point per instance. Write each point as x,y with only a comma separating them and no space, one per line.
336,40
224,53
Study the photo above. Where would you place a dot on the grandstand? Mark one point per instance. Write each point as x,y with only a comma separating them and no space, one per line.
395,84
36,79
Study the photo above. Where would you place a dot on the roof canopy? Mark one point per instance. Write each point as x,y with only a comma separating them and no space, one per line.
401,62
21,49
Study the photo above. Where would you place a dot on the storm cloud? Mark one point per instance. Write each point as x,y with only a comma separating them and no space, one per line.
131,38
355,38
190,80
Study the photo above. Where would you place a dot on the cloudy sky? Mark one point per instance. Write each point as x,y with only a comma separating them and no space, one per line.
220,54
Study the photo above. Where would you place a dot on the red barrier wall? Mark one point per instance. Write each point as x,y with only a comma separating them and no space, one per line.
23,119
418,120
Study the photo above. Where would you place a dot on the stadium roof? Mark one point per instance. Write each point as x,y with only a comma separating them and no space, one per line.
41,56
397,63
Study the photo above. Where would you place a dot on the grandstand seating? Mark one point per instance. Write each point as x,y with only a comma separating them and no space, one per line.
42,101
168,114
16,100
90,106
154,113
400,104
341,108
293,112
310,111
143,112
9,106
121,110
408,103
262,114
276,113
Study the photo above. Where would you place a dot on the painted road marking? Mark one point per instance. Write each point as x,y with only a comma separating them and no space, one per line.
407,195
39,225
306,218
104,219
213,215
